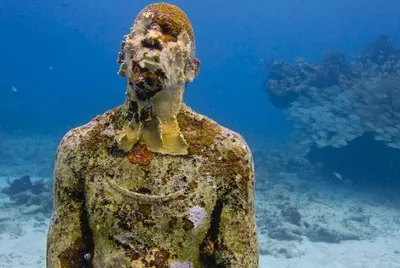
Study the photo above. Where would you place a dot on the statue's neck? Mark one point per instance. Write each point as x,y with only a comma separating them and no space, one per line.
154,121
163,104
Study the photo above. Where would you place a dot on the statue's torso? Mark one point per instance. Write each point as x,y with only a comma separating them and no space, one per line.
146,209
148,216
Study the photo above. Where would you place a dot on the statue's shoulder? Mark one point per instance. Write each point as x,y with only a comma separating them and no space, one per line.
203,133
76,140
226,150
198,130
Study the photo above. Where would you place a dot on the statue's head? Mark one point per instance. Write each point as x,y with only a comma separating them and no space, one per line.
157,59
159,52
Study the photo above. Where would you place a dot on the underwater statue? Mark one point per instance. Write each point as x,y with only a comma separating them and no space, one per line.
152,183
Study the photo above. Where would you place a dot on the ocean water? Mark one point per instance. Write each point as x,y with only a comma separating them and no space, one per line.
313,87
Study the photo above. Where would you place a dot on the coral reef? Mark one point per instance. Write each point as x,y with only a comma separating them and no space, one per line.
354,106
333,103
152,183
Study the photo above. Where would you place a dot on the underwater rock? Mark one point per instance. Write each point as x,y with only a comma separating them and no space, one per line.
32,209
288,250
17,186
21,198
291,215
318,233
24,184
380,51
191,202
359,218
283,234
24,192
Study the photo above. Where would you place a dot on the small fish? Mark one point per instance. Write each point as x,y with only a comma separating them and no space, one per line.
337,175
14,89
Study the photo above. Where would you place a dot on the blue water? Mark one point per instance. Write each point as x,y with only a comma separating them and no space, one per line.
60,58
80,39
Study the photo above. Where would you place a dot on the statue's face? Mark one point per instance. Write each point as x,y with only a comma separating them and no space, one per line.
153,60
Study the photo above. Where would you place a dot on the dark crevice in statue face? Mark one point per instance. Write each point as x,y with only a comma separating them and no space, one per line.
132,110
152,43
147,84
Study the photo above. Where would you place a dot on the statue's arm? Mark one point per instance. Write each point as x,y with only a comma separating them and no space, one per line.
238,244
66,240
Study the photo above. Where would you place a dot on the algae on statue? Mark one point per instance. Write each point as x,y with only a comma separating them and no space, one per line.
151,183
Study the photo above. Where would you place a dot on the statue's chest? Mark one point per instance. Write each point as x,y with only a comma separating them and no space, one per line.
157,199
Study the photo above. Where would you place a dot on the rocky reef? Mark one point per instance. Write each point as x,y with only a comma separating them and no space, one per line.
30,197
341,104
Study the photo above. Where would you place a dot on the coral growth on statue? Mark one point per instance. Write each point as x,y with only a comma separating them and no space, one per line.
152,183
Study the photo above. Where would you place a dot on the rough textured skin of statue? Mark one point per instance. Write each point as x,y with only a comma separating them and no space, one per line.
152,183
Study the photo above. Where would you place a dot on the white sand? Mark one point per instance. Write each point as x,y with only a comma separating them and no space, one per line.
26,249
22,238
380,253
